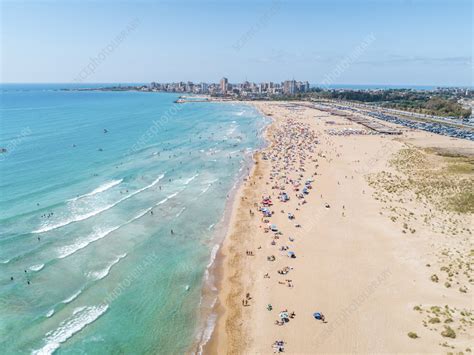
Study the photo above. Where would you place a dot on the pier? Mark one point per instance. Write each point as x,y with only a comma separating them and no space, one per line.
184,100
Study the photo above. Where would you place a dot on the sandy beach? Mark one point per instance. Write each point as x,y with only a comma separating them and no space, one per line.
372,231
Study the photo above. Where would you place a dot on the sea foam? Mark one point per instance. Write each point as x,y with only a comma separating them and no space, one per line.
81,244
101,188
98,275
78,218
36,267
81,318
72,298
191,179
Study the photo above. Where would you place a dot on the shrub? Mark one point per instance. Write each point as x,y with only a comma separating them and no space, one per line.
448,332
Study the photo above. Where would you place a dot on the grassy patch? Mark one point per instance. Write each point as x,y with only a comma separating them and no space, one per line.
441,179
463,202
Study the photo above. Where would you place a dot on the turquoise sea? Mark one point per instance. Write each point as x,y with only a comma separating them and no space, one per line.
109,204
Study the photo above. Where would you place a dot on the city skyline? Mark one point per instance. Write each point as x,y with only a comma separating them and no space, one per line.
369,43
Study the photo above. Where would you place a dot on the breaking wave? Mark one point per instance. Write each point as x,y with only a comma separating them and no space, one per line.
81,318
99,275
85,216
72,298
101,188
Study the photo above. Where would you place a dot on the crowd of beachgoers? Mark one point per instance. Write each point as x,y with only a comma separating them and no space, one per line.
312,254
288,179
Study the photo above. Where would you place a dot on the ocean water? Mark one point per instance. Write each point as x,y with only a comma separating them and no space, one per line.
108,207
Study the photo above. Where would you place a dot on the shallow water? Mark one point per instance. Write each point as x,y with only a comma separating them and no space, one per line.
90,188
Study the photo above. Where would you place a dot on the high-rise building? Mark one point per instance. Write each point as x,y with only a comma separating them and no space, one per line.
289,87
306,86
224,83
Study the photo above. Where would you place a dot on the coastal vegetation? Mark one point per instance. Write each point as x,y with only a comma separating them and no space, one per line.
435,186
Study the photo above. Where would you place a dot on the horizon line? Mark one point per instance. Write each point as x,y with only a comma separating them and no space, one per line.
313,84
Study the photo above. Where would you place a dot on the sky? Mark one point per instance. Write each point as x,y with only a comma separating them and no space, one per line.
392,42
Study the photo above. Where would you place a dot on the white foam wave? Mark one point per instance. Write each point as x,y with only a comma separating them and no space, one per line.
203,191
81,244
167,198
207,332
67,250
5,261
205,335
72,298
191,179
50,313
147,210
101,188
98,275
36,267
181,211
140,214
214,251
210,227
82,217
80,319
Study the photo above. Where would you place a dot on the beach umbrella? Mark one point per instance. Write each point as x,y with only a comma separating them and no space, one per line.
284,315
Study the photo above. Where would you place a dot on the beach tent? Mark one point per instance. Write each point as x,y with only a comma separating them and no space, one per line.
291,254
274,228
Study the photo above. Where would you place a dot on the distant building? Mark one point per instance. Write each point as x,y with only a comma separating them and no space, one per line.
262,90
289,87
306,86
224,83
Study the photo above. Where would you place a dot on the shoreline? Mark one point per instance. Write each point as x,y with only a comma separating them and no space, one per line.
212,278
250,329
211,345
208,315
